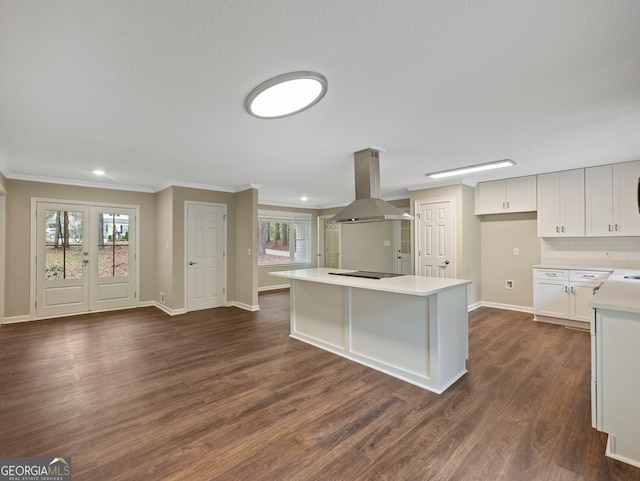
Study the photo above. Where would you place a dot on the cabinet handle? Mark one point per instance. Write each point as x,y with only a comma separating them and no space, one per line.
617,227
572,290
588,276
638,194
557,229
508,201
610,228
552,274
566,290
503,206
563,229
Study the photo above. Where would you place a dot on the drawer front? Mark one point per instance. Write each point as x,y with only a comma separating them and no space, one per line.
589,276
557,274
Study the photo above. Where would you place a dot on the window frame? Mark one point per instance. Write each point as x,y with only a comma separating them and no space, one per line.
289,218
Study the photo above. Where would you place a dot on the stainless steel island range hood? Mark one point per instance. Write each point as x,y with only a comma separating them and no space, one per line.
368,206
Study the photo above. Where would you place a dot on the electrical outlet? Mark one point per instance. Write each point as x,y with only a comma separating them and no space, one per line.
508,284
387,243
516,251
162,297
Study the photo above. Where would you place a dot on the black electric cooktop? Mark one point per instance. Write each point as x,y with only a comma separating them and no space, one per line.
366,274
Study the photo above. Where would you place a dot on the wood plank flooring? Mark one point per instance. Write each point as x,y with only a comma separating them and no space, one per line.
225,394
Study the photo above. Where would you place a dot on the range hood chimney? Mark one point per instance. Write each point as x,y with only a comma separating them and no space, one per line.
368,206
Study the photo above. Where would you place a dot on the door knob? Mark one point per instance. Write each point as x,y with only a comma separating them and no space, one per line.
192,263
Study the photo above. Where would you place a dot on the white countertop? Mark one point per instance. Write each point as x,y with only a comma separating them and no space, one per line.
573,267
618,293
411,285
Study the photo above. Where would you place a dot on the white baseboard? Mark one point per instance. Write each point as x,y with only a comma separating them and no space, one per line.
508,307
242,305
163,308
16,319
474,306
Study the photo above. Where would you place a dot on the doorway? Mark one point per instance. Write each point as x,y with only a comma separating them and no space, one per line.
206,232
403,246
85,257
435,238
328,243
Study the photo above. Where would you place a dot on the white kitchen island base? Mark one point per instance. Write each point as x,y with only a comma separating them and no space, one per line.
412,328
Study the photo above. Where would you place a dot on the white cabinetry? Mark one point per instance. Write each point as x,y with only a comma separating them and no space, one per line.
612,196
562,296
561,204
503,196
615,391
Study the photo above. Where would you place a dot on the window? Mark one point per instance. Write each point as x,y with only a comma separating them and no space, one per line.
283,237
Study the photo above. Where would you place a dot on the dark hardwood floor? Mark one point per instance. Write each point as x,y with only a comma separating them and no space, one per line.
225,394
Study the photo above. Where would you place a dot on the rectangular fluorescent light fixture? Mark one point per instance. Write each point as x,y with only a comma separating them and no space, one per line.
474,168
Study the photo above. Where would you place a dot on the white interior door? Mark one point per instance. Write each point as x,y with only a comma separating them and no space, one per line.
62,257
435,240
206,277
112,257
332,246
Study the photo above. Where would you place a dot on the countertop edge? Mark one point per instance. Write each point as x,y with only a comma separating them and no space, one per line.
321,275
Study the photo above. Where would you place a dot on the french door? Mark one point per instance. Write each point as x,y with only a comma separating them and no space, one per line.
85,258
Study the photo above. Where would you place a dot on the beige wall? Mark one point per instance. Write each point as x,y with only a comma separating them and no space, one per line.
176,281
164,252
3,203
500,235
362,246
467,227
162,249
246,243
18,220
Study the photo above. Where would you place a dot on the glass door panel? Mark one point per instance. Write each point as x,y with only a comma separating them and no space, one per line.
61,260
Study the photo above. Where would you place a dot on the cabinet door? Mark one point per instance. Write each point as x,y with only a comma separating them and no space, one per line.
572,203
491,198
581,294
551,298
599,201
626,191
548,205
521,194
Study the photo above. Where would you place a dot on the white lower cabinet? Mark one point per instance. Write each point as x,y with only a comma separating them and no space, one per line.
562,296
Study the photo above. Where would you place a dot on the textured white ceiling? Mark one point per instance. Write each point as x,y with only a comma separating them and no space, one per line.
152,91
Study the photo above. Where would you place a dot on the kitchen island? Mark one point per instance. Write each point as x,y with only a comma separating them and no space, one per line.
615,357
411,327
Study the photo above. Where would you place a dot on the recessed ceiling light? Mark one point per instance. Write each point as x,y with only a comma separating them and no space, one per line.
474,168
98,172
286,94
303,198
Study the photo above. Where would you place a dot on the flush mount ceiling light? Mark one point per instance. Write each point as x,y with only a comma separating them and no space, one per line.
474,168
98,172
286,94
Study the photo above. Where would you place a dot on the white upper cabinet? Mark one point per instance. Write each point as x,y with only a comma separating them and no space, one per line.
613,200
561,204
503,196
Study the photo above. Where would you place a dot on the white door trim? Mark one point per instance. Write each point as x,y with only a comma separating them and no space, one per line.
187,203
34,245
416,231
